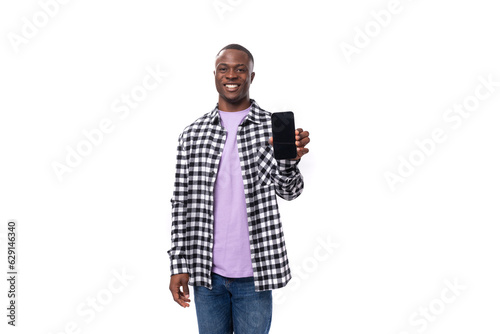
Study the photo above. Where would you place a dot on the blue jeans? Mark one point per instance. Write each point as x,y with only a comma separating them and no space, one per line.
233,304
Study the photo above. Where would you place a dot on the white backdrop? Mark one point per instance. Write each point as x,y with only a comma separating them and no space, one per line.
396,230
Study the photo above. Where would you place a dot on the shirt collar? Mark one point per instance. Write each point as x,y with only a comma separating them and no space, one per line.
255,115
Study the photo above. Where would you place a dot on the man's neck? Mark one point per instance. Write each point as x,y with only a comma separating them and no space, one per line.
238,106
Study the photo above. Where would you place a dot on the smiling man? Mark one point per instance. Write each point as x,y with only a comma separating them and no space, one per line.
227,237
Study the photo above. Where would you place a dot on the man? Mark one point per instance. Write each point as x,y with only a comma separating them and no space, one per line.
227,238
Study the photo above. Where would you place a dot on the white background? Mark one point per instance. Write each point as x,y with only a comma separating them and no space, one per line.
396,249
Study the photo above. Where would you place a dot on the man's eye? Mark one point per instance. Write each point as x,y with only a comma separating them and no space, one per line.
222,69
241,70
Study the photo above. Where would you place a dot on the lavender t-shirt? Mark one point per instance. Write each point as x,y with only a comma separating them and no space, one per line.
231,253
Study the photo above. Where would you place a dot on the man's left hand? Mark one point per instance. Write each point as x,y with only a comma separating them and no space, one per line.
302,139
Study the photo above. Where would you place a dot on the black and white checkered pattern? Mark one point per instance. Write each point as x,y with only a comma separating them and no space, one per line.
198,155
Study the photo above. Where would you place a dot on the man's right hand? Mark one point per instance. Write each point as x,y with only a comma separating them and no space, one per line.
176,282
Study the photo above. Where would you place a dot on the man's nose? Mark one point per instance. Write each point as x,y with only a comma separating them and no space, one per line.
230,74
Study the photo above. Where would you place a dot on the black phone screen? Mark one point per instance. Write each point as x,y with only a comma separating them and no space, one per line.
283,125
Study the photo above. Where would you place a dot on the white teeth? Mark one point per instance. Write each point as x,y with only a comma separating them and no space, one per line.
231,86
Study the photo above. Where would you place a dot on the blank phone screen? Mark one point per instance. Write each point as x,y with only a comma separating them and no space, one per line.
284,135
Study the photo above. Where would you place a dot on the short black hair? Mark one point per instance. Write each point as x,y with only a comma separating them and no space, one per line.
237,47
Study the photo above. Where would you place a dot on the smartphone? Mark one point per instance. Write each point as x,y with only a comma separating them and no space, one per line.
283,126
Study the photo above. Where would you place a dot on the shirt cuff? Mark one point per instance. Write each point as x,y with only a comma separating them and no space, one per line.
178,266
286,165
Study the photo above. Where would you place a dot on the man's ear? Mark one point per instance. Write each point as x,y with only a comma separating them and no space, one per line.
214,73
251,77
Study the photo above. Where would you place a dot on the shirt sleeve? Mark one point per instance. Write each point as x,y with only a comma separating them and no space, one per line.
178,261
288,179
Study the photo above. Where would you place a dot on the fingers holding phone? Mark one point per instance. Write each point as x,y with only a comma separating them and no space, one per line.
301,140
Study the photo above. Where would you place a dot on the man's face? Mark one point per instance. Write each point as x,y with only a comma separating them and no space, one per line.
233,75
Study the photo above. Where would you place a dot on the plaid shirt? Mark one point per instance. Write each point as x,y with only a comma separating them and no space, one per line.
198,155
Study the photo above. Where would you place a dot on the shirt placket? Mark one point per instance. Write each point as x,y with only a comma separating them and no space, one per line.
220,135
241,141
